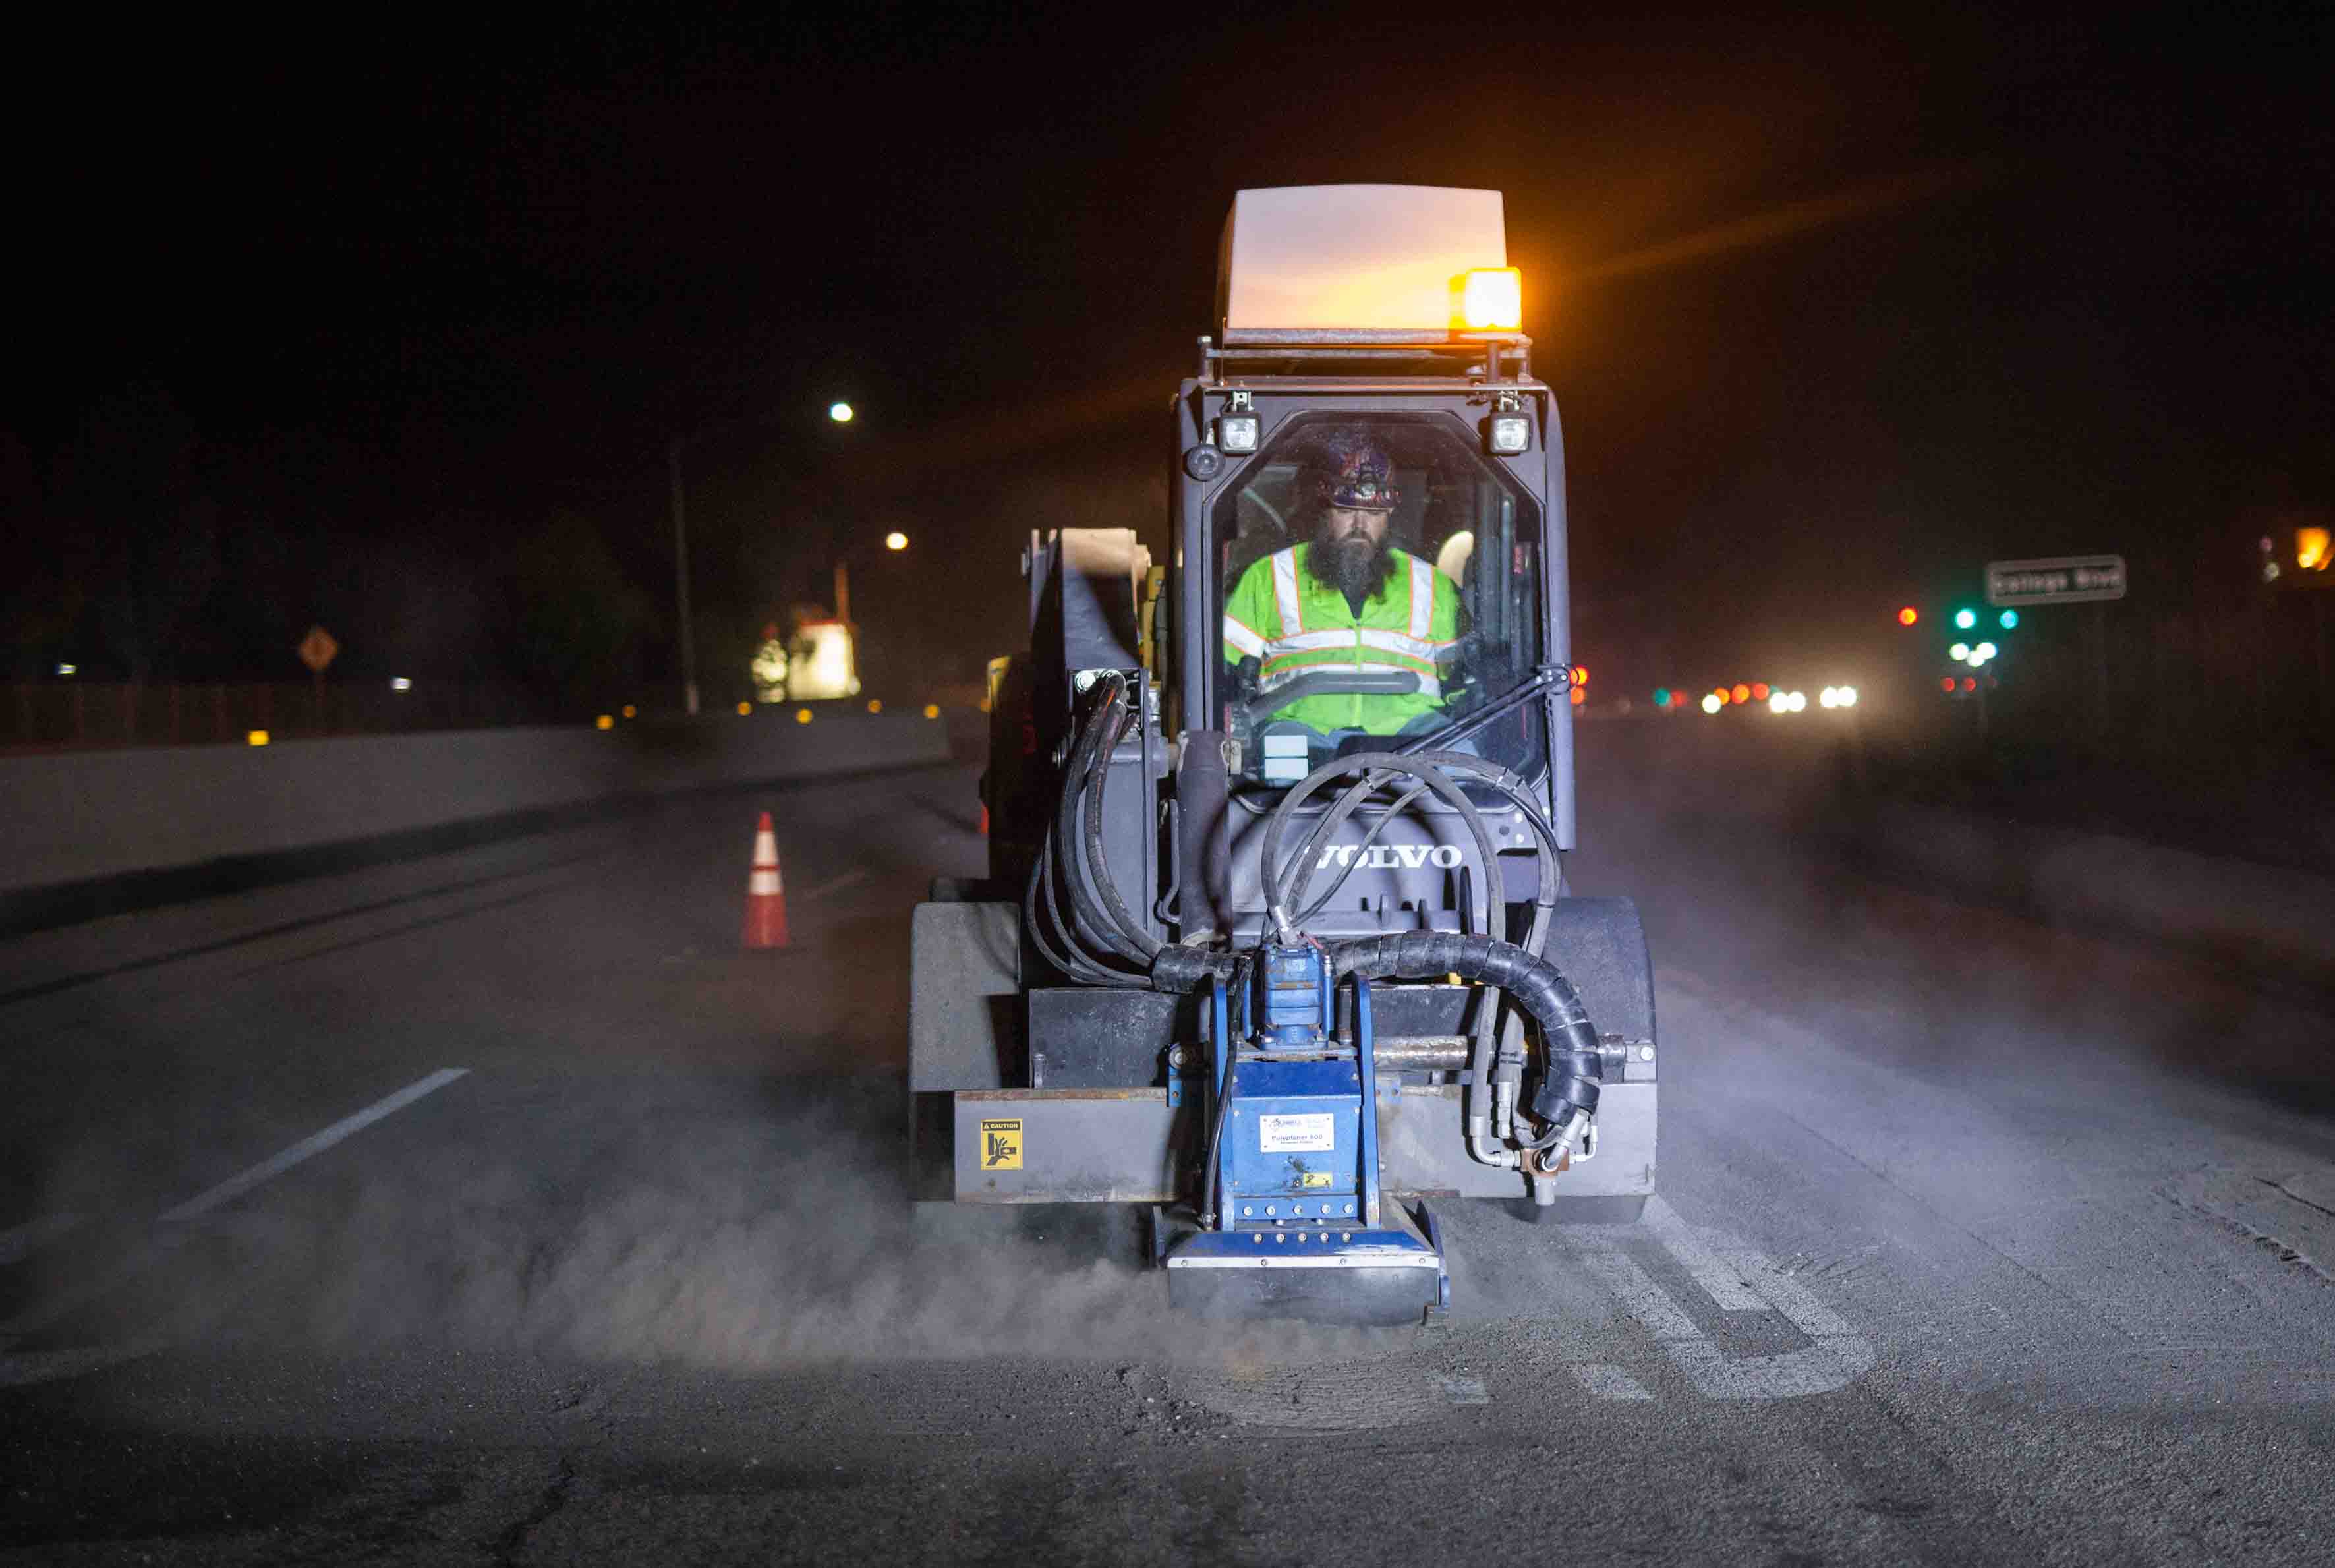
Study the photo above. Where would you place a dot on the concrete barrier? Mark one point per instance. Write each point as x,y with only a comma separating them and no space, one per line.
80,821
2263,919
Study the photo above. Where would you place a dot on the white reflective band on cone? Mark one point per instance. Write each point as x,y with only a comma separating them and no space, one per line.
764,884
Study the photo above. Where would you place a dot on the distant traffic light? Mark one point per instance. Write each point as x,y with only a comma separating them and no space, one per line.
1759,691
1908,615
1740,693
1965,619
1662,696
2007,620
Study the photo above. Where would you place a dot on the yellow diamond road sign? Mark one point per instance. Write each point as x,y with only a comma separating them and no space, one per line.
317,648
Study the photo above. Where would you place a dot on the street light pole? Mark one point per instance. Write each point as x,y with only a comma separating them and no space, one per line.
681,576
840,413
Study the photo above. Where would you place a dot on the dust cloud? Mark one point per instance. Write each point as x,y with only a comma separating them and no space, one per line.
699,1236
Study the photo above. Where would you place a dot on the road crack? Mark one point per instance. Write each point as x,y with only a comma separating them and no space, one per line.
550,1501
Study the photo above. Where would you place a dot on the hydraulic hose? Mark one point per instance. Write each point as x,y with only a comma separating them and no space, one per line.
1095,862
1428,773
1224,1097
1482,1097
1568,1098
1088,915
1539,987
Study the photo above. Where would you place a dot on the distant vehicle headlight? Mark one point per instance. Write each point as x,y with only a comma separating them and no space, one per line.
1237,432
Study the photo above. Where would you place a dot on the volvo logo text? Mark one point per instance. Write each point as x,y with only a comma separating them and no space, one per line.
1391,857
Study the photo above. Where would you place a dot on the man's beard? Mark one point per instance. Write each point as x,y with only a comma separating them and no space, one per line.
1352,563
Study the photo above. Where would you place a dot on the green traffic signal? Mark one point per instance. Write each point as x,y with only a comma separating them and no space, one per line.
1965,619
2008,619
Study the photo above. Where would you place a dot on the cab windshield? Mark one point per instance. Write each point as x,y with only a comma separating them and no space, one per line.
1379,580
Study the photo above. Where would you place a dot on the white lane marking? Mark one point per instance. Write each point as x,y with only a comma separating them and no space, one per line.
276,1164
1636,1290
20,1368
1837,1356
22,1372
21,1242
835,883
1789,1296
1608,1382
1717,1279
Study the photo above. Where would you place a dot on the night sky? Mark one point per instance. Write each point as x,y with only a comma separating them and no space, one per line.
1835,310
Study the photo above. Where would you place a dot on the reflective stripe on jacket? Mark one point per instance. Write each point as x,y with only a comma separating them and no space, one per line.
1280,616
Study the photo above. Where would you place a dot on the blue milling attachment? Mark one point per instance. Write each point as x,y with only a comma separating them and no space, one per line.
1298,1228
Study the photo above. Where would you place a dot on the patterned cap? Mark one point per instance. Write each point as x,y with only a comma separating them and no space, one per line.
1353,472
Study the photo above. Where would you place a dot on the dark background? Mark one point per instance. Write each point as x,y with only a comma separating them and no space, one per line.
385,324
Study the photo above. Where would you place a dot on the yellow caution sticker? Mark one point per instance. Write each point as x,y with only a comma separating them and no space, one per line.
1000,1144
1314,1178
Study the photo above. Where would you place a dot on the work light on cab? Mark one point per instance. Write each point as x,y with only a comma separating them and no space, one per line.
1492,299
1507,434
1237,432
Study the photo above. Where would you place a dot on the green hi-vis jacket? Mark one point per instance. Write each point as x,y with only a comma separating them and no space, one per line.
1279,615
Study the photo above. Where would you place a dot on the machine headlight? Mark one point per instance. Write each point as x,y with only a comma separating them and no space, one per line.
1237,432
1507,434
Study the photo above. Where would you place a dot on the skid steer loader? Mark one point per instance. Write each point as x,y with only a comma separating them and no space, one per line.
1276,943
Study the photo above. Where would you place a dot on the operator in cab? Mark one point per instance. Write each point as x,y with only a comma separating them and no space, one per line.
1345,599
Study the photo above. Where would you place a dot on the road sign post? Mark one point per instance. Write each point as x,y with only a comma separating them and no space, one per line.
2094,580
317,650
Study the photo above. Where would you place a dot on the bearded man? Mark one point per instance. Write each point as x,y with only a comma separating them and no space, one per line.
1345,600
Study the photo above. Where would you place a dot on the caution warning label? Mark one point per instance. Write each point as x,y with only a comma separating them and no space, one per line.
1000,1144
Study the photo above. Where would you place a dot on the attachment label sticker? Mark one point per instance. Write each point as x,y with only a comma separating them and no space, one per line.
1313,1133
1000,1144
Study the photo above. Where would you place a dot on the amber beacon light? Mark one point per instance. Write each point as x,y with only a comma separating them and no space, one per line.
1491,299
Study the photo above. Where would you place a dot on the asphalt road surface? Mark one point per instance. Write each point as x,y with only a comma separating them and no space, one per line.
494,1207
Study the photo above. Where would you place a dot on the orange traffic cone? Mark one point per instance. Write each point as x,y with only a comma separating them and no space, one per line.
766,892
